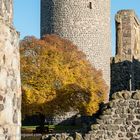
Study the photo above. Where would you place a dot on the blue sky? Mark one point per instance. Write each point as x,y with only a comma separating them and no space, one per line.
27,16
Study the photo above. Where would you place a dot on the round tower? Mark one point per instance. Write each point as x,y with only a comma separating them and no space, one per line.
86,23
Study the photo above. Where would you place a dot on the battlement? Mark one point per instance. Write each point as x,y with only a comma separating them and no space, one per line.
6,11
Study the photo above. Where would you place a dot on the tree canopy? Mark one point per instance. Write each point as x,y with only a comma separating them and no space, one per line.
57,78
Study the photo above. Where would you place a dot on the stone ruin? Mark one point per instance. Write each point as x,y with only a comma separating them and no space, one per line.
120,117
10,91
125,66
119,120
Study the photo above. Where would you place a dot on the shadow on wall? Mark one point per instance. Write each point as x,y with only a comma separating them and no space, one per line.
125,75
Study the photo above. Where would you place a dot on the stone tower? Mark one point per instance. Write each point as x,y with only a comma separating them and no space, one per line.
125,66
86,23
10,92
128,35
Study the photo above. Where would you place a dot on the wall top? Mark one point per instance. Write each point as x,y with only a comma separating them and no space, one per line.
128,12
6,11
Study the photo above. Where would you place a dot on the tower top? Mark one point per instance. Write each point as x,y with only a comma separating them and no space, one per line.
128,35
6,11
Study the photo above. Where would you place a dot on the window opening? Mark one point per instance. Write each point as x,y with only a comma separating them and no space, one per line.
90,5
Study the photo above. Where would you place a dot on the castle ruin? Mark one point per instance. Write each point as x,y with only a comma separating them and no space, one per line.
125,66
84,22
10,91
120,117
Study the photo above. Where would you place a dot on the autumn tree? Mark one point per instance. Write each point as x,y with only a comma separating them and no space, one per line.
57,78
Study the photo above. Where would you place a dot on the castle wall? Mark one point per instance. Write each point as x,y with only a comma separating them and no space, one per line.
119,120
10,92
128,36
86,23
6,10
125,66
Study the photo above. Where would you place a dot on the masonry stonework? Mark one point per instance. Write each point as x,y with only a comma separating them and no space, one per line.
6,10
119,120
10,92
86,23
120,117
128,35
125,66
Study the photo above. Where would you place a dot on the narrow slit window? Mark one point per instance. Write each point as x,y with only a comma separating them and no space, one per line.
90,5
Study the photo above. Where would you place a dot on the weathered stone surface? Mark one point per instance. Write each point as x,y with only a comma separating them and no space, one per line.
124,125
138,117
137,111
129,135
1,98
133,129
63,136
125,66
10,121
131,117
78,136
120,135
136,95
117,95
69,138
107,112
6,10
126,95
94,127
53,138
15,117
136,122
122,129
118,121
112,104
1,107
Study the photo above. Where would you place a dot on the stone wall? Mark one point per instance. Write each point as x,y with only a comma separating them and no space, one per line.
6,10
10,92
125,75
128,35
125,66
86,23
119,120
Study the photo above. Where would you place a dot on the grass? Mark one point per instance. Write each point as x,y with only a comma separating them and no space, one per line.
57,128
34,127
30,138
28,127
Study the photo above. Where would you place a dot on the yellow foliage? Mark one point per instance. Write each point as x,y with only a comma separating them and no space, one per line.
56,77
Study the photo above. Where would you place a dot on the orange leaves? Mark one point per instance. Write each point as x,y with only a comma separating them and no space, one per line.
58,78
